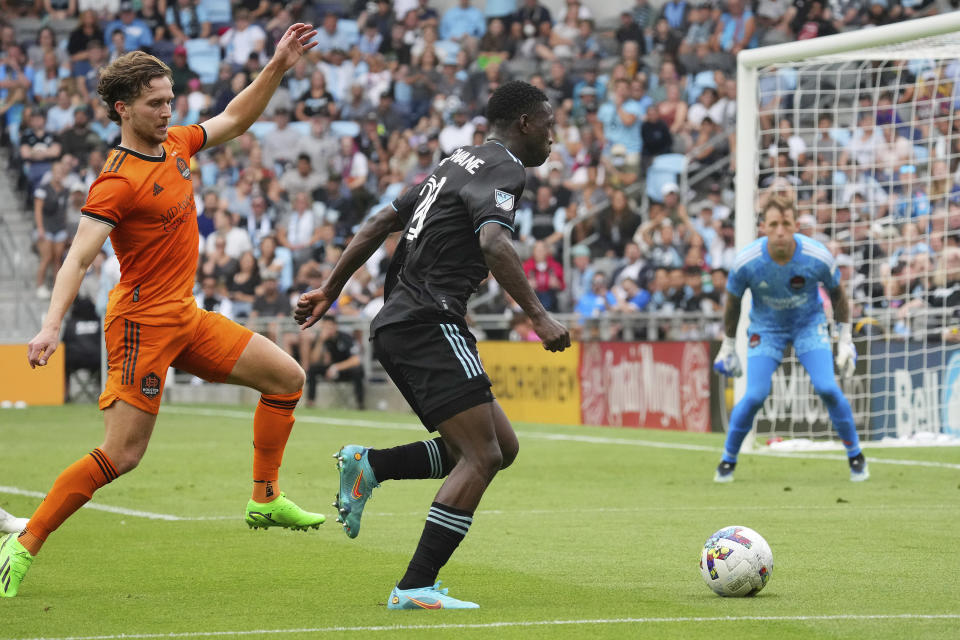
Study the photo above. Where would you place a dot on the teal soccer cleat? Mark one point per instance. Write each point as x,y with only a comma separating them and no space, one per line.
426,598
357,483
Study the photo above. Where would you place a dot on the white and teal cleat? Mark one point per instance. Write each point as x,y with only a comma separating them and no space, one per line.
426,598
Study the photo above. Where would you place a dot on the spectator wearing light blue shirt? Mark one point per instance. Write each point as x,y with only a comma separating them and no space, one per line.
597,301
136,33
621,118
331,36
462,21
188,19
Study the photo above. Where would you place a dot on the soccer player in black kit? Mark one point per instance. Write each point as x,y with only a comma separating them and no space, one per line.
456,225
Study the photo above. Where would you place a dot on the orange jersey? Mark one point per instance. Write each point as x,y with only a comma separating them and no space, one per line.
149,202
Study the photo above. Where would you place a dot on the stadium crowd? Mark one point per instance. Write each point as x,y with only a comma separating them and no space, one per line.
393,87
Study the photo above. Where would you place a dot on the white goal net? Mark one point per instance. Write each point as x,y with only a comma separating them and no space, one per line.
866,138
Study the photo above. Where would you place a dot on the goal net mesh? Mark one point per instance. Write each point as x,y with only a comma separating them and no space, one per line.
868,144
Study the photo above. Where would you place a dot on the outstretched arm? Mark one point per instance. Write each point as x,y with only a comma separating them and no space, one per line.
505,266
313,304
247,106
86,245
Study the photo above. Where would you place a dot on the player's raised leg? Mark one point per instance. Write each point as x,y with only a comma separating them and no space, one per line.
263,366
127,433
760,370
819,364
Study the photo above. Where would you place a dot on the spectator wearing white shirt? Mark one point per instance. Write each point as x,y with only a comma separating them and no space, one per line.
331,36
212,298
238,240
243,39
797,148
458,133
351,164
301,230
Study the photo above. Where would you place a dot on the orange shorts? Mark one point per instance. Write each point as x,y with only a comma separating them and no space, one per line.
206,344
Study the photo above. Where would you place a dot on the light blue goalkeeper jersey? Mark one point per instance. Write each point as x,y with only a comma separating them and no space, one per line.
785,297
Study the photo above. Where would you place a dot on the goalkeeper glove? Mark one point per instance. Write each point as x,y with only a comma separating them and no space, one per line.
846,353
727,362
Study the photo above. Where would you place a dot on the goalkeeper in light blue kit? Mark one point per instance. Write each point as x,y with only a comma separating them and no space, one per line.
783,271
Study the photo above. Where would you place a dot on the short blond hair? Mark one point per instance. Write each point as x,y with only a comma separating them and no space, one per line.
781,204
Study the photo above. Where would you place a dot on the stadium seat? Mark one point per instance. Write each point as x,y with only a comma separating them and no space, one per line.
446,49
204,59
262,128
673,162
342,128
350,29
699,82
219,12
921,154
303,128
656,178
841,136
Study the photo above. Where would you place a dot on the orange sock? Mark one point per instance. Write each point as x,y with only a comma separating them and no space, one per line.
272,423
71,490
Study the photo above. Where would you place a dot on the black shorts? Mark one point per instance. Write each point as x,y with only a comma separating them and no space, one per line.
435,366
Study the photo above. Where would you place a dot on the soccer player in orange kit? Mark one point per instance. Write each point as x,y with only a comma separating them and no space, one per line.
143,199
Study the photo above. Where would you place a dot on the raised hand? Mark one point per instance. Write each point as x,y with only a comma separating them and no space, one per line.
294,43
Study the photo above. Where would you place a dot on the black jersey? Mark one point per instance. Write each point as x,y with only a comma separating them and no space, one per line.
438,263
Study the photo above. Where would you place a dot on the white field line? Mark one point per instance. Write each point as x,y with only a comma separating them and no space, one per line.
16,491
907,617
561,437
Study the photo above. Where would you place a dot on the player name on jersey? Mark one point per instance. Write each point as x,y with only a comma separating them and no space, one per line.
464,159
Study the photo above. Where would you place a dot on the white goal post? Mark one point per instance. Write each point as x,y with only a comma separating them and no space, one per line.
850,90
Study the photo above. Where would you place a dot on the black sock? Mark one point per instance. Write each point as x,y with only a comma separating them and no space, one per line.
417,460
442,533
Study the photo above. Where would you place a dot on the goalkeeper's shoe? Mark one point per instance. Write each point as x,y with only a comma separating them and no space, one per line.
14,562
858,468
11,524
426,598
281,512
724,472
357,483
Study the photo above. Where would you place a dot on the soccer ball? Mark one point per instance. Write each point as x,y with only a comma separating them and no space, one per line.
736,562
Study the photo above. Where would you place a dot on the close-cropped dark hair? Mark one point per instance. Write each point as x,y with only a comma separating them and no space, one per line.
126,78
511,100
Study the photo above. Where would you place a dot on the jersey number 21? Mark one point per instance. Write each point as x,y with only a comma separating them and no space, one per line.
428,194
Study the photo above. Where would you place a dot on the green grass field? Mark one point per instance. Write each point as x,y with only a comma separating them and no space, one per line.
594,532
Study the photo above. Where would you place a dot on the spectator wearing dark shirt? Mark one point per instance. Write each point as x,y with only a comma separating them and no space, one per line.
335,357
532,12
78,140
182,73
655,134
80,38
38,149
